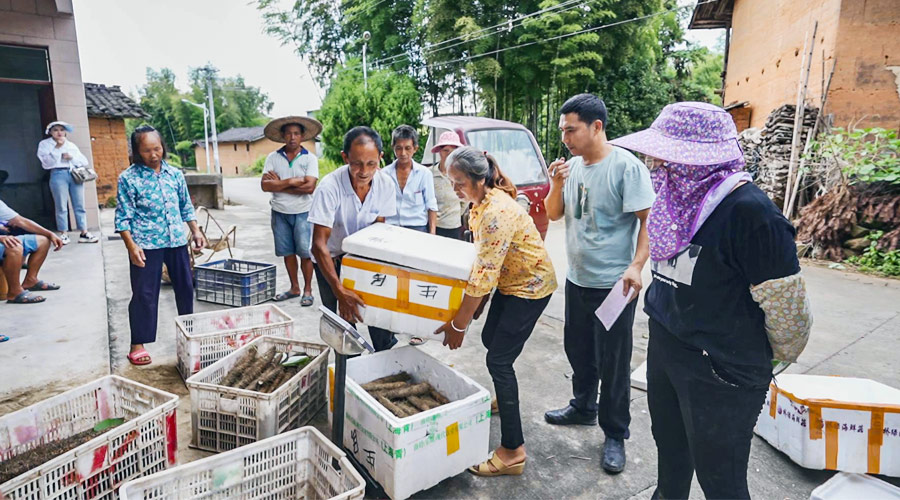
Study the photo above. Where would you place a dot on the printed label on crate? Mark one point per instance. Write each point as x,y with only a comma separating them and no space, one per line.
23,427
452,438
229,405
404,291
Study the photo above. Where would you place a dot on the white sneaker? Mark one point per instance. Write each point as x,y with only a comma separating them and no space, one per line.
65,238
88,238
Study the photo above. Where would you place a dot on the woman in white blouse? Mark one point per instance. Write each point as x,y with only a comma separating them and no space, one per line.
59,156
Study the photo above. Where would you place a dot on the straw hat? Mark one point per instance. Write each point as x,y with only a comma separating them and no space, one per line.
311,127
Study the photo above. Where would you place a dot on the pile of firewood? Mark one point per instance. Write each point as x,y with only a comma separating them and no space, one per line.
774,149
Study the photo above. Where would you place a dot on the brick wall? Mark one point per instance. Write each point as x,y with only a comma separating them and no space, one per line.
236,157
110,153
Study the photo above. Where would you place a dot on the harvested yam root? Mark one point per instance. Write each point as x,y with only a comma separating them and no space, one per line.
402,397
262,372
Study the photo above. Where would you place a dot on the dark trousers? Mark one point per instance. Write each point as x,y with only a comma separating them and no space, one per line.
509,323
456,233
600,359
700,420
382,339
143,310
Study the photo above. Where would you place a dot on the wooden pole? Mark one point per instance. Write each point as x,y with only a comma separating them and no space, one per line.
811,137
803,85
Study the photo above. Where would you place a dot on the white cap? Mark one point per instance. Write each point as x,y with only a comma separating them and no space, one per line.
63,124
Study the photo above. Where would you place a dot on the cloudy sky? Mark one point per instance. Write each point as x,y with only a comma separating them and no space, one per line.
119,39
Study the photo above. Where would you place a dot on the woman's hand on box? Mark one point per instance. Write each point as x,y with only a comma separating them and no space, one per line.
348,305
453,338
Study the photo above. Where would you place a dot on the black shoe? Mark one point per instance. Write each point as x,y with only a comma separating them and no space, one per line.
570,416
613,455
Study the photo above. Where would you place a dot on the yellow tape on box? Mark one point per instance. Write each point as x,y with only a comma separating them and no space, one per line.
410,301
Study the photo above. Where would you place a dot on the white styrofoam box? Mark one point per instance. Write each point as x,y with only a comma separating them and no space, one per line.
414,249
146,443
850,486
224,418
296,464
410,454
835,423
401,299
202,339
639,377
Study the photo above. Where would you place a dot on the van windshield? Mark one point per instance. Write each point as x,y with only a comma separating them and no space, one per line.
514,152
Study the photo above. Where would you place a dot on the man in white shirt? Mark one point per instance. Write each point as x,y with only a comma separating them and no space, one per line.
351,198
290,174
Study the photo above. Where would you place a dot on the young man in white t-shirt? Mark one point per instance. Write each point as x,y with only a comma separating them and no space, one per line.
290,174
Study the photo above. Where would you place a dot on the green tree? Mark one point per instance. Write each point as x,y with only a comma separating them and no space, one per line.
392,100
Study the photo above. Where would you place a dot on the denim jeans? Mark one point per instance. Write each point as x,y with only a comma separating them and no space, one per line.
64,188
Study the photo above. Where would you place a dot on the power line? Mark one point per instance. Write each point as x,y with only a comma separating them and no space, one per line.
507,25
588,30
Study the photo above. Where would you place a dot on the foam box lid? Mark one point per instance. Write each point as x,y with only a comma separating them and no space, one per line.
410,248
843,389
847,486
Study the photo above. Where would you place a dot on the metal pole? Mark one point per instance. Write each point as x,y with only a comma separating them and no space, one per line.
365,69
340,379
212,119
206,135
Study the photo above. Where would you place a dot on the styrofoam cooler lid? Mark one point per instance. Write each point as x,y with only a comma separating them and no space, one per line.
847,486
410,248
844,389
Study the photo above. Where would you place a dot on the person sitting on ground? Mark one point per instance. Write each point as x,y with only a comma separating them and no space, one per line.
450,207
60,155
290,175
349,199
153,206
34,244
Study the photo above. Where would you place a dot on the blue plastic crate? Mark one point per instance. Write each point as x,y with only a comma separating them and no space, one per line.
233,282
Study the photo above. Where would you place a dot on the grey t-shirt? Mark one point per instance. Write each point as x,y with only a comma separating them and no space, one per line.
601,227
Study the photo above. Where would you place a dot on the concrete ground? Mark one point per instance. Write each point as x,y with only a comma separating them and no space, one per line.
857,318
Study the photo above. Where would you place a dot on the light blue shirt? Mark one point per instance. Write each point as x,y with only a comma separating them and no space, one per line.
415,199
154,207
601,227
336,205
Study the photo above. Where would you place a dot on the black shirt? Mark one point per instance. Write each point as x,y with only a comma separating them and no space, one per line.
702,295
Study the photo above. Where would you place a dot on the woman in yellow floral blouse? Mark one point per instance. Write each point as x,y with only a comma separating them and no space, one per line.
512,259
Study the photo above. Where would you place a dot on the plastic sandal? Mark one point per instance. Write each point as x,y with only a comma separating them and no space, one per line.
307,300
43,286
285,296
26,297
135,357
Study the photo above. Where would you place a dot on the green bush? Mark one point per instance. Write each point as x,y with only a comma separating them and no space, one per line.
878,261
257,167
328,165
866,155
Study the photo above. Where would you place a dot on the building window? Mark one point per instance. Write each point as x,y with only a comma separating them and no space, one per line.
248,147
235,170
235,146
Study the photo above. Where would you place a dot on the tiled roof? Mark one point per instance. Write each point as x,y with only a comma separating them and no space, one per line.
241,134
110,102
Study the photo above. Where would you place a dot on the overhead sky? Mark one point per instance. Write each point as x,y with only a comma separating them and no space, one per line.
119,39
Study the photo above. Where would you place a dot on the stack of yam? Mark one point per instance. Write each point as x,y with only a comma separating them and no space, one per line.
261,372
402,396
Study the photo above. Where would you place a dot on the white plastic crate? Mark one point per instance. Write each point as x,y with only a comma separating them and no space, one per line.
407,455
836,423
204,338
850,486
297,464
224,418
146,443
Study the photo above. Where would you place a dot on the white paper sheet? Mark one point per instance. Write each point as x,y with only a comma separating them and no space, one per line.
611,308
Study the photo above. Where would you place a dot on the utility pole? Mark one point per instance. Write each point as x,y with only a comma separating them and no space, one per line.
205,129
212,116
366,37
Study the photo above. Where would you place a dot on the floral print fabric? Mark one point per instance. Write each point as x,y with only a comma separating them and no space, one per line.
511,253
788,318
154,207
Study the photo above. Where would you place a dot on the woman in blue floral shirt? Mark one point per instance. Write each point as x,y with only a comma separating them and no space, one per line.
153,205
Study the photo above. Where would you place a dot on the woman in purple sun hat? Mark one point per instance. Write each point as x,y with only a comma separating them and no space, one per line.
727,298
